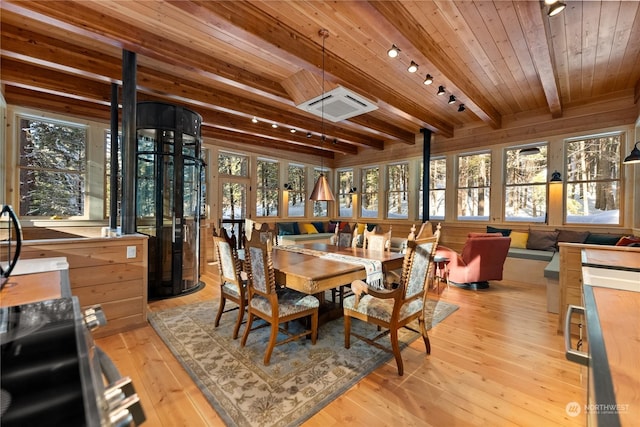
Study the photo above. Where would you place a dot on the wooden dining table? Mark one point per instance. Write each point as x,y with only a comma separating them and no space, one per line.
314,274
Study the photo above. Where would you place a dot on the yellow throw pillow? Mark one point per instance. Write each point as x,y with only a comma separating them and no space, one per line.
308,229
361,228
519,239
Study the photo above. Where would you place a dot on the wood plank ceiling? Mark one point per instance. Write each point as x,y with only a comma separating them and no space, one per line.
232,61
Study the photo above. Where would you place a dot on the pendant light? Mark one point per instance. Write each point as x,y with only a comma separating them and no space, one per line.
322,190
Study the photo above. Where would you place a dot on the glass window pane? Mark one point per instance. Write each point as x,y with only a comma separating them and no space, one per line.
593,180
526,184
233,164
474,180
437,190
369,194
398,191
297,193
52,168
267,191
345,183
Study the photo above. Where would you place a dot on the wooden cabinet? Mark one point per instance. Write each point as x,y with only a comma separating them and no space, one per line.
103,271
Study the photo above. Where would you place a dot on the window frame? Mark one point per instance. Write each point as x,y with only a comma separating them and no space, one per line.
542,183
486,187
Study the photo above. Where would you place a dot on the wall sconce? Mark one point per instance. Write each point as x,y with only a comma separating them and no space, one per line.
634,156
556,177
352,190
288,186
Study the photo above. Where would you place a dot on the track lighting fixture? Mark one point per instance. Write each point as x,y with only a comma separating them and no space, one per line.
413,67
428,80
452,99
394,51
308,134
556,8
634,156
461,108
441,90
274,125
254,120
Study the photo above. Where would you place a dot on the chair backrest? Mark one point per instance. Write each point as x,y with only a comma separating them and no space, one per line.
262,278
485,254
417,264
229,263
345,237
266,234
375,240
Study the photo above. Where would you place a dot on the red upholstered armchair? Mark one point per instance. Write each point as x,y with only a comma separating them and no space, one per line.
481,260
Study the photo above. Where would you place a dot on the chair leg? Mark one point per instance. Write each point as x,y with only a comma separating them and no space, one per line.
272,342
236,330
314,327
347,331
425,335
247,330
223,300
396,351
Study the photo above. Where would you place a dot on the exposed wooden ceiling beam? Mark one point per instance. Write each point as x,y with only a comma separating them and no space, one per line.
533,19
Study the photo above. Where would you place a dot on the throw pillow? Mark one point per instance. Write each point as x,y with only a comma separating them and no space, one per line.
332,226
504,231
371,227
542,240
519,239
286,229
602,239
319,226
308,228
628,240
572,236
361,227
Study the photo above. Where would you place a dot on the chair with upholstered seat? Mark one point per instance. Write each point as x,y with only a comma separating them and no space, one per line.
233,286
376,240
273,304
345,236
394,308
481,259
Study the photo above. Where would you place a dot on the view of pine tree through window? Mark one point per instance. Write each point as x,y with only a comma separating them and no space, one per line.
52,168
592,185
107,174
297,194
345,183
474,181
398,191
525,196
437,187
370,188
234,193
267,188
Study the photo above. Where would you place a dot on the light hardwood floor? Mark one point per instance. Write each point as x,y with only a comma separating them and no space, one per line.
497,361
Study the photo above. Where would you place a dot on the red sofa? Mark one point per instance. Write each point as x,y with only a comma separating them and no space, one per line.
481,260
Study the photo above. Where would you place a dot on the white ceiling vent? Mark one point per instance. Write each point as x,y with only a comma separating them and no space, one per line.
338,104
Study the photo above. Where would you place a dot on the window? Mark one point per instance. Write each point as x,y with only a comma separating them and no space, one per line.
345,184
593,179
525,197
474,179
107,174
320,208
437,187
297,193
398,191
233,164
52,168
370,187
267,193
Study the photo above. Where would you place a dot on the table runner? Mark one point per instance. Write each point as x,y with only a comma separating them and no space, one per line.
372,267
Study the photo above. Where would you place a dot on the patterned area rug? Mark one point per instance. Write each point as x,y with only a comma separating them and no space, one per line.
301,379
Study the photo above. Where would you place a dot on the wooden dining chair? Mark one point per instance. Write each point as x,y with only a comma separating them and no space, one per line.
376,240
345,237
233,281
392,309
273,304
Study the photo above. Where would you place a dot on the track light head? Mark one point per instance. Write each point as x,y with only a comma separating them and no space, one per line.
441,90
394,51
452,99
428,80
254,120
413,67
556,8
308,134
461,108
